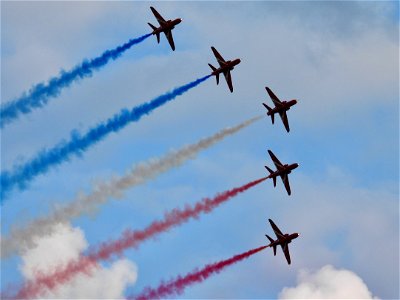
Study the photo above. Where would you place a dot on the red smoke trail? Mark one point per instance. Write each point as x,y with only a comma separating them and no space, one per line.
177,286
130,238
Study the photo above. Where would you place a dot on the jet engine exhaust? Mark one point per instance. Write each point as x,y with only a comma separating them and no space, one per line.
39,94
22,174
176,286
22,238
129,239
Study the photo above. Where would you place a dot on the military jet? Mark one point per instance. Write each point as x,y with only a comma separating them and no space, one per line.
283,170
281,107
165,26
225,67
282,239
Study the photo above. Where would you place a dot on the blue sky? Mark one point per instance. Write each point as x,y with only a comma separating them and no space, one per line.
339,59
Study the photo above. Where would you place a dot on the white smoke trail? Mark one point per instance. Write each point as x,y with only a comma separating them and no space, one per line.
23,238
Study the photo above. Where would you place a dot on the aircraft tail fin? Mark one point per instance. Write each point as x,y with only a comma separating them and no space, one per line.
214,69
157,34
271,240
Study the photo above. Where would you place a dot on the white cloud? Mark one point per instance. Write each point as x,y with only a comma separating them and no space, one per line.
335,74
58,249
106,283
327,283
65,245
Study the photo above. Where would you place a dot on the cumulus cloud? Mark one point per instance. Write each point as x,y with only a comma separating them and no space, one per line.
58,249
327,283
65,244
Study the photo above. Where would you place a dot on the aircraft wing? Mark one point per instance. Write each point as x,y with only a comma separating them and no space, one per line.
285,179
276,161
278,233
218,56
168,34
160,19
274,98
285,120
285,249
229,80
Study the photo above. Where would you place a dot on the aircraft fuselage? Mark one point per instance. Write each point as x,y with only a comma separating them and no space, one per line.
287,238
169,25
284,106
286,169
228,66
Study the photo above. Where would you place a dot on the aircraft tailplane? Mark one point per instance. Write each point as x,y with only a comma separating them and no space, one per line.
269,110
271,172
270,238
267,107
214,69
157,34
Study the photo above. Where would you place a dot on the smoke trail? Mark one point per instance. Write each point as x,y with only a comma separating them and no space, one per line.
46,158
129,239
23,238
177,286
40,93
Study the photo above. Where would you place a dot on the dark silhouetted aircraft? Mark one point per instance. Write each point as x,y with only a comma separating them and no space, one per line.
225,67
282,239
165,26
282,170
281,107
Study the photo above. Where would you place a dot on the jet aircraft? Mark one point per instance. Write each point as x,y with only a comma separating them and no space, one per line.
225,67
283,170
165,26
281,107
282,239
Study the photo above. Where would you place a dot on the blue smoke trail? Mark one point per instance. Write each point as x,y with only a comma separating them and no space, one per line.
39,94
46,158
